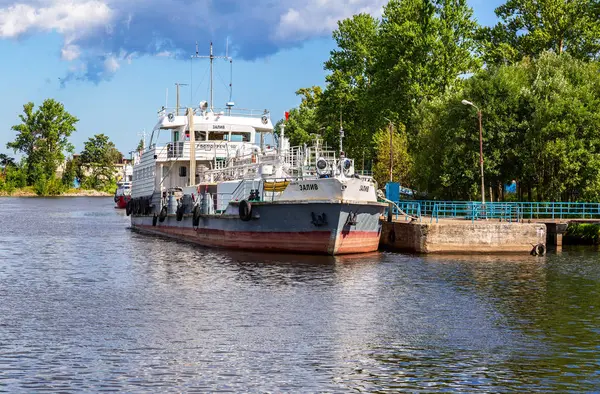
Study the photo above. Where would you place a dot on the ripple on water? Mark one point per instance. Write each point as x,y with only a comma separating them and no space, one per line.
88,305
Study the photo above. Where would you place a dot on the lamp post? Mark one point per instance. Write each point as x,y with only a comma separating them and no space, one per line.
465,102
391,129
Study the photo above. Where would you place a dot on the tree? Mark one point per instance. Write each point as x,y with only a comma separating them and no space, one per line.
530,27
302,121
424,46
401,160
539,128
42,137
99,157
6,161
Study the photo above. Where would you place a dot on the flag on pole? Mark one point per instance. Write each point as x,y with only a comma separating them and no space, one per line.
287,115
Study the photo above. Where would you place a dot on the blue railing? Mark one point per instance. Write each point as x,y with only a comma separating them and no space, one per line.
410,209
505,211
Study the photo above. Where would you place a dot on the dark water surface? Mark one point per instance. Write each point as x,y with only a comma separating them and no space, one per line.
88,305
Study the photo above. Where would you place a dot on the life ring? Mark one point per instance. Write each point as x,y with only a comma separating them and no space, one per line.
128,208
163,214
196,217
245,210
154,220
538,250
179,213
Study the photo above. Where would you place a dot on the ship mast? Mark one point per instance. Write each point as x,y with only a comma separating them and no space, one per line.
212,57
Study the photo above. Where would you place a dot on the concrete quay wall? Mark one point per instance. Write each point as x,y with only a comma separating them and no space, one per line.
462,236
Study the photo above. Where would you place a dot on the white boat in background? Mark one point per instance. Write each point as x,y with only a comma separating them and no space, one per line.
213,184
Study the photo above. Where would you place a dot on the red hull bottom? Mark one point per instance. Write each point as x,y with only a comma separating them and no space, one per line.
314,242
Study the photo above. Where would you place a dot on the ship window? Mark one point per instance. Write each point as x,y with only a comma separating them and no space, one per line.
240,137
176,136
182,171
200,135
216,136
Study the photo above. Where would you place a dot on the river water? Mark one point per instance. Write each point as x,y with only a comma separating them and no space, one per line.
88,305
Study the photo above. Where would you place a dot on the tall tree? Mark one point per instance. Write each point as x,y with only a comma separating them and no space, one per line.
99,157
530,27
424,46
43,137
344,102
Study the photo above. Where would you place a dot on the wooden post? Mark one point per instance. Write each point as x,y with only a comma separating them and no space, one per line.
190,115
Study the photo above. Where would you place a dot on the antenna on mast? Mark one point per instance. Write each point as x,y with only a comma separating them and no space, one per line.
177,102
212,57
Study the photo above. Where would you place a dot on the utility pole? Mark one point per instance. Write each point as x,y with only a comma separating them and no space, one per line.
177,104
481,157
466,102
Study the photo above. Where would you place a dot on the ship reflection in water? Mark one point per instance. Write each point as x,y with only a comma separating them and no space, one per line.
88,305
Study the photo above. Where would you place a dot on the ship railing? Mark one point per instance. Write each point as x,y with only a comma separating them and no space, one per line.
240,112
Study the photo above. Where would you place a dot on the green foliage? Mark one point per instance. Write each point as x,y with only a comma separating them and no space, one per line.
402,161
70,172
583,233
381,71
303,120
98,158
530,27
12,177
42,136
540,125
6,161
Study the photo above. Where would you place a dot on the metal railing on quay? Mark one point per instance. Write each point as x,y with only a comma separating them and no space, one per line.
505,211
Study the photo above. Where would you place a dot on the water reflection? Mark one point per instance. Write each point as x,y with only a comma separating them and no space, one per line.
88,305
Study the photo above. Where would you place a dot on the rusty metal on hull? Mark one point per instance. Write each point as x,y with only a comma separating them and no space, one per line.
339,229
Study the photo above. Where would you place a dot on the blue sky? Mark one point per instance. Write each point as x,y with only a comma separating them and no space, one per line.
110,62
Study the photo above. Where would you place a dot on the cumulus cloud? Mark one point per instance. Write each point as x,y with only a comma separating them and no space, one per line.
100,34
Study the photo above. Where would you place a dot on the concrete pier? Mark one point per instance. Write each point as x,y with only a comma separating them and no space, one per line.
462,236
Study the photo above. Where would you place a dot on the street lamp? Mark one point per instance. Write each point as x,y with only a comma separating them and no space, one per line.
465,102
391,128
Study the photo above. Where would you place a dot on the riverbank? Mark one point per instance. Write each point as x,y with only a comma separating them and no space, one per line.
28,192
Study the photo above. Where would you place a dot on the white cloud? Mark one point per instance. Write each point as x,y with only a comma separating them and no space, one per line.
64,17
70,52
319,17
102,34
111,64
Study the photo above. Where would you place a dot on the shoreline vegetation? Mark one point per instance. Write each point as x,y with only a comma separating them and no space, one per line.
30,192
49,165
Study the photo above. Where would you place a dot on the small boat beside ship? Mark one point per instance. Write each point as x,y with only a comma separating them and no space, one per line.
211,183
122,194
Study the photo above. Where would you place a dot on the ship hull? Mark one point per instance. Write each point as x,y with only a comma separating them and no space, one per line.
315,228
121,201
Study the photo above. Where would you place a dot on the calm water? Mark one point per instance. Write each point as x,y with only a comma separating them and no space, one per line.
88,305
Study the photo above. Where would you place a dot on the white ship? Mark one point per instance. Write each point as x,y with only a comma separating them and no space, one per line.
215,182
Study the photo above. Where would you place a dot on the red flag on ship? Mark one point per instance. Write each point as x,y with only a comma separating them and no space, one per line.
287,115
